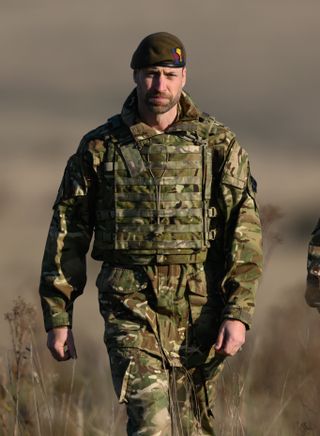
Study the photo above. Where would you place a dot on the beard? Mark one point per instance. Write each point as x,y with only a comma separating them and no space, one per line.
160,106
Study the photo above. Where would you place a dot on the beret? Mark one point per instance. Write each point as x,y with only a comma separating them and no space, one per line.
162,49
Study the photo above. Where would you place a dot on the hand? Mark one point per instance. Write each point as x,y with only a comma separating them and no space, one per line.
231,336
61,344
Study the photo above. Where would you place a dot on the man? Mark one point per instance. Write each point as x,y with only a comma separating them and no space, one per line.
167,191
313,267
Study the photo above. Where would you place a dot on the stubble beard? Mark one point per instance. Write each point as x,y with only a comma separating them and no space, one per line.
163,106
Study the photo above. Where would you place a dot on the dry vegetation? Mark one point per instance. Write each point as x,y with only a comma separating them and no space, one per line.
41,397
271,388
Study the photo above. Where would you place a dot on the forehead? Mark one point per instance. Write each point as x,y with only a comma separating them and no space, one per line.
162,70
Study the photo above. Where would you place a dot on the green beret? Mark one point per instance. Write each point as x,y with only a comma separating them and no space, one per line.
162,49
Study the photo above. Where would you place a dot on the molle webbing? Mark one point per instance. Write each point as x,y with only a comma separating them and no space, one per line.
161,190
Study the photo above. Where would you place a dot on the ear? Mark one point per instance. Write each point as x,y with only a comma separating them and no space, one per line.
184,76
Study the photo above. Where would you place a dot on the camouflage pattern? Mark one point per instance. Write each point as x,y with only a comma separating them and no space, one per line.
164,400
161,355
155,212
313,267
164,310
162,299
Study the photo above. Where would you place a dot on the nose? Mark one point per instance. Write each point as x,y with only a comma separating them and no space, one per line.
160,83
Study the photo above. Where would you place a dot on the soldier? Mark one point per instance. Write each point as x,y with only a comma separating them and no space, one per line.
167,191
313,267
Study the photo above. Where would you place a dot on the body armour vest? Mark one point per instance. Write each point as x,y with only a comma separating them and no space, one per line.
153,199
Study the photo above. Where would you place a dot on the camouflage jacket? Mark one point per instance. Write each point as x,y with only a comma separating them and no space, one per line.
313,267
235,253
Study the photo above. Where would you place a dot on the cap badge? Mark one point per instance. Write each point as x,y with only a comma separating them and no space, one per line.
177,55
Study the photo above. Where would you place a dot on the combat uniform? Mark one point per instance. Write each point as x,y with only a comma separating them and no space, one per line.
176,226
313,267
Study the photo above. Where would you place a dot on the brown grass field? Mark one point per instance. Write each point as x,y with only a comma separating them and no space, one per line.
64,70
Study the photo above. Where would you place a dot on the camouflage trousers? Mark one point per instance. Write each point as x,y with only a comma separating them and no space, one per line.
157,324
164,401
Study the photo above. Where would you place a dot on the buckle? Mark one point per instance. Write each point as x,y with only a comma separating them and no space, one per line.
212,212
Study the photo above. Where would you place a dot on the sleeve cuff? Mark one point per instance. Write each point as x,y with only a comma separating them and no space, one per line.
238,314
58,320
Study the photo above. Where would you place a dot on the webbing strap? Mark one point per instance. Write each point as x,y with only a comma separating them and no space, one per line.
161,213
164,181
102,215
160,228
171,165
132,196
171,149
152,244
159,245
122,257
164,205
176,165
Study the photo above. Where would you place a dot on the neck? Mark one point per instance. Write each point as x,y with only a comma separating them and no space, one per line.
158,121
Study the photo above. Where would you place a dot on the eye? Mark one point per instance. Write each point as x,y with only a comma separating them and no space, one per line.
148,73
171,75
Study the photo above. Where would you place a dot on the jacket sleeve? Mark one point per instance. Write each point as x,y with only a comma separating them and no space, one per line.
63,273
242,235
312,294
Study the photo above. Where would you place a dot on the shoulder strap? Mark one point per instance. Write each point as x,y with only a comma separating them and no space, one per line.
122,139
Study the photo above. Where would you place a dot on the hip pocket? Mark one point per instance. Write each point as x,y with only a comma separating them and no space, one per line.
197,286
121,280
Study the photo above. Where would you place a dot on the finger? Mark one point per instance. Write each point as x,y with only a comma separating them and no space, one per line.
59,352
71,349
60,356
225,349
219,342
70,345
231,348
221,352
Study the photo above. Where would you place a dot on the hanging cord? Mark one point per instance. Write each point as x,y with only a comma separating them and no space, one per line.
155,179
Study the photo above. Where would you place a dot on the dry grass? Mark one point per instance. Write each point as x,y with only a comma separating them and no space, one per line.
40,397
271,388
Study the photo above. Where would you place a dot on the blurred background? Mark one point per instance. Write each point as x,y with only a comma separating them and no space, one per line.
254,65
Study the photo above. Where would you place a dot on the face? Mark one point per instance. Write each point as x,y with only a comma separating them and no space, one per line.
159,88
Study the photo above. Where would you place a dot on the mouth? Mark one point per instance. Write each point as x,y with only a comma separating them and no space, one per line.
158,99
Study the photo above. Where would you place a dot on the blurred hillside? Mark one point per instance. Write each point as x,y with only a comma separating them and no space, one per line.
65,69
